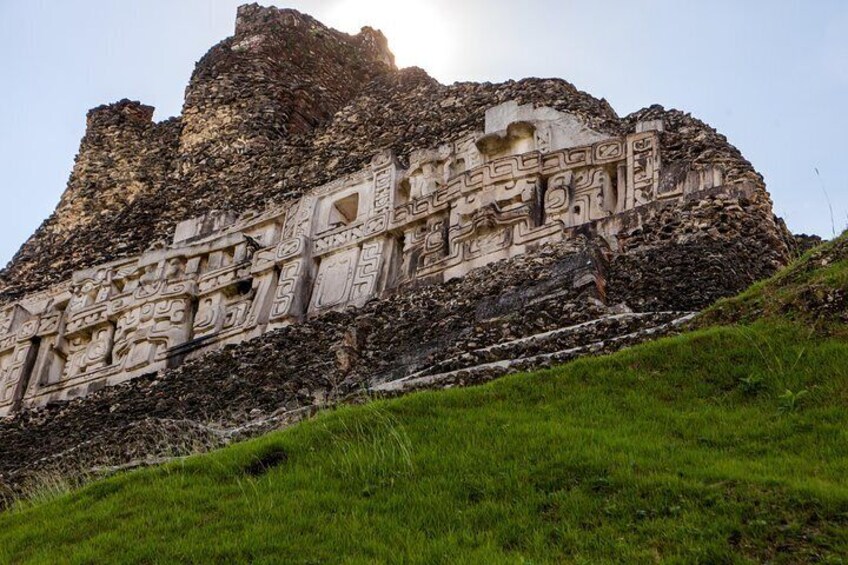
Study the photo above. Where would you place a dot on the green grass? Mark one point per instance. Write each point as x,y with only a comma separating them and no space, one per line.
727,444
684,450
810,291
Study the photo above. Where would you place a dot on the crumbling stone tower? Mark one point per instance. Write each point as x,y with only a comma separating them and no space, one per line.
317,221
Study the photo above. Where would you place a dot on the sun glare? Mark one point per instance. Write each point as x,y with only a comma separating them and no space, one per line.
418,35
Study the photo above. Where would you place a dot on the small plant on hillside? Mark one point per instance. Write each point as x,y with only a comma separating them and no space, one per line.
791,401
752,384
7,496
778,370
42,487
372,446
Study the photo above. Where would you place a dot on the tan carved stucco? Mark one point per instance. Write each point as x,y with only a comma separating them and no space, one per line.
529,178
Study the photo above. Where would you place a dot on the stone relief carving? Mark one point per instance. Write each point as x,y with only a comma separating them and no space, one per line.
146,333
334,280
529,178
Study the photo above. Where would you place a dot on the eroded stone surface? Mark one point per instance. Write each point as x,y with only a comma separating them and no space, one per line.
529,179
287,373
317,222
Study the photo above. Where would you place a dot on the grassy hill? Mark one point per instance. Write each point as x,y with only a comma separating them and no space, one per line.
725,444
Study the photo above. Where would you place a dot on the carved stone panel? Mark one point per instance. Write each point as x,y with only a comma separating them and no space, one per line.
11,321
385,175
288,302
558,196
366,279
14,366
334,280
88,351
146,333
222,311
533,174
209,315
436,240
642,169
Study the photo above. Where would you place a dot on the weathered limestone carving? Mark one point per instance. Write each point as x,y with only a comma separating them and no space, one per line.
532,177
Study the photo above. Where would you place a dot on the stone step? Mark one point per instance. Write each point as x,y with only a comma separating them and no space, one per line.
653,325
551,341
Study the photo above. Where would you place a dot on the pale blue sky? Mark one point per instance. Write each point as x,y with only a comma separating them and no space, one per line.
771,75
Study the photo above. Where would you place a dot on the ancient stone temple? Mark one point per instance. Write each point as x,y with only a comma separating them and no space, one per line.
533,176
317,220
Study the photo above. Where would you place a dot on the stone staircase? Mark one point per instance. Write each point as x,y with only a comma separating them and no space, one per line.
602,335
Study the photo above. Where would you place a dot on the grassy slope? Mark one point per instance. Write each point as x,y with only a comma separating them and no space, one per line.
811,292
725,444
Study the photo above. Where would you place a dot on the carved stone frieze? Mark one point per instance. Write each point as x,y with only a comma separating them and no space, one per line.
532,176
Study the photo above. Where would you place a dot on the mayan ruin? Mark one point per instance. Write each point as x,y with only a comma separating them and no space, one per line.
320,231
271,215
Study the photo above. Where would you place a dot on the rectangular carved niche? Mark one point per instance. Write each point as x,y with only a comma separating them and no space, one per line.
343,209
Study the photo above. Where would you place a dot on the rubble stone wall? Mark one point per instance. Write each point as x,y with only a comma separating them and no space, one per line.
529,178
243,389
317,222
267,120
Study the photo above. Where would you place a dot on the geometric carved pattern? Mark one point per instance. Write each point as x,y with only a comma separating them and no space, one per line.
289,288
367,271
13,377
145,334
642,169
459,206
384,180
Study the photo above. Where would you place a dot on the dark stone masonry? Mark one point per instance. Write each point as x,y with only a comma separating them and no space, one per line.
605,231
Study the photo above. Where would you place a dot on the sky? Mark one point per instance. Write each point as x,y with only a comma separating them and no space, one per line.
771,75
